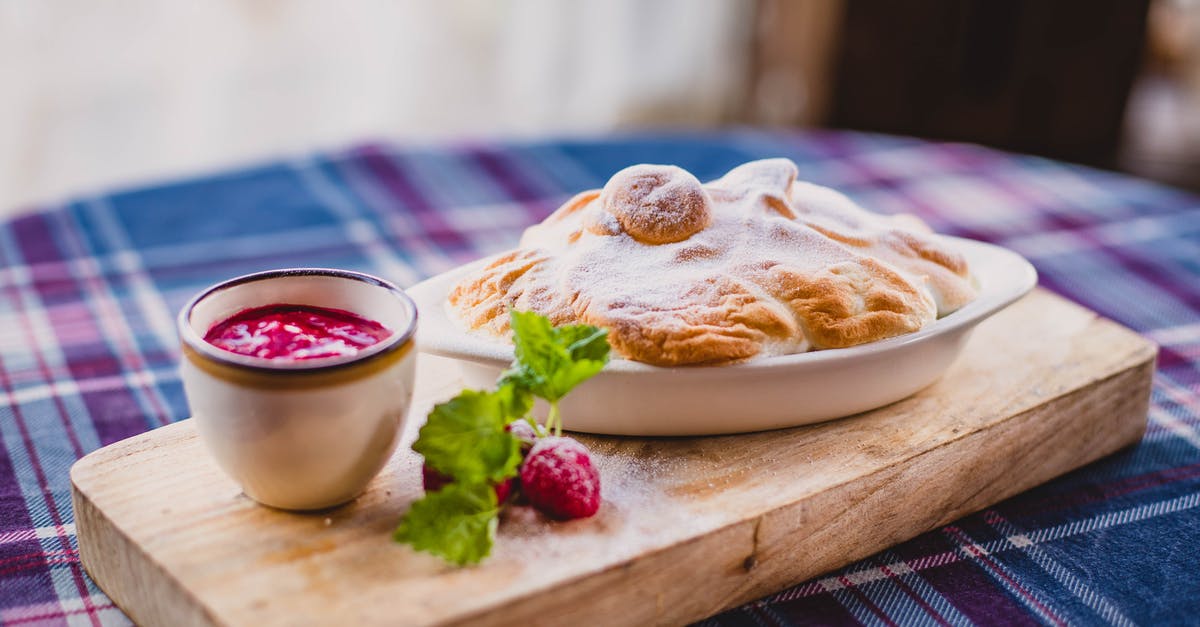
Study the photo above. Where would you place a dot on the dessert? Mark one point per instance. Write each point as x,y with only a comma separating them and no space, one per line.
295,332
754,263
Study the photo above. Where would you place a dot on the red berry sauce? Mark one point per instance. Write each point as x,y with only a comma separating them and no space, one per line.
295,332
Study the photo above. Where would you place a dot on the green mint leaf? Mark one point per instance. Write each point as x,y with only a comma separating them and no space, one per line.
465,437
585,342
515,399
457,523
553,360
533,344
571,375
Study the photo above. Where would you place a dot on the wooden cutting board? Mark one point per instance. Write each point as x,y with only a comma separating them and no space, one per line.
689,527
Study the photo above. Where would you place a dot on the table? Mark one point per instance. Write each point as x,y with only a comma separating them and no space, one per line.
89,290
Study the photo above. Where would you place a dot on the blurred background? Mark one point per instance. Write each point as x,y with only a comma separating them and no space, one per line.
99,95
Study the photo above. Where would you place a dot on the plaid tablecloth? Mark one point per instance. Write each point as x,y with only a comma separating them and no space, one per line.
89,289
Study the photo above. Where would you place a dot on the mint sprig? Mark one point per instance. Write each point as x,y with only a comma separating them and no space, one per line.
466,437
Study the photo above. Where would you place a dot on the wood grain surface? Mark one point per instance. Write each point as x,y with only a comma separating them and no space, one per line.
689,526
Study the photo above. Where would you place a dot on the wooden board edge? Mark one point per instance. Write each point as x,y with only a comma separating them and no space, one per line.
740,562
142,588
81,471
1110,428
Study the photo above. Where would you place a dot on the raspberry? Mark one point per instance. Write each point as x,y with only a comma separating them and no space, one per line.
559,480
433,481
524,433
503,489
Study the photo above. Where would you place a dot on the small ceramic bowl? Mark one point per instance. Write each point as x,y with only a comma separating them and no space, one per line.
302,434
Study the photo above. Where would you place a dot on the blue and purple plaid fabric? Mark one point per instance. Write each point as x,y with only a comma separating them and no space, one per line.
88,353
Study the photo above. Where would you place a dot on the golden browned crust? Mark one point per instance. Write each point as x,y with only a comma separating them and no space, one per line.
851,303
753,263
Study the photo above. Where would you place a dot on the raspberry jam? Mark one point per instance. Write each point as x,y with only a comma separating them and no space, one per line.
295,332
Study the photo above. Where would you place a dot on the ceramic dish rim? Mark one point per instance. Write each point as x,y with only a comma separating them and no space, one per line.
996,292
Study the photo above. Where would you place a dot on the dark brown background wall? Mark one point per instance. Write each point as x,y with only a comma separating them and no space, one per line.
1046,77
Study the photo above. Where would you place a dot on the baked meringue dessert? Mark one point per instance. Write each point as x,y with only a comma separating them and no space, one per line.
752,264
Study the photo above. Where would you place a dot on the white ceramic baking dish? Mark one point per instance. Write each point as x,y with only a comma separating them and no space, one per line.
632,398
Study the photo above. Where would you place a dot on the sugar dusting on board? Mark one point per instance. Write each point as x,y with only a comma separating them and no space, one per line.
633,482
